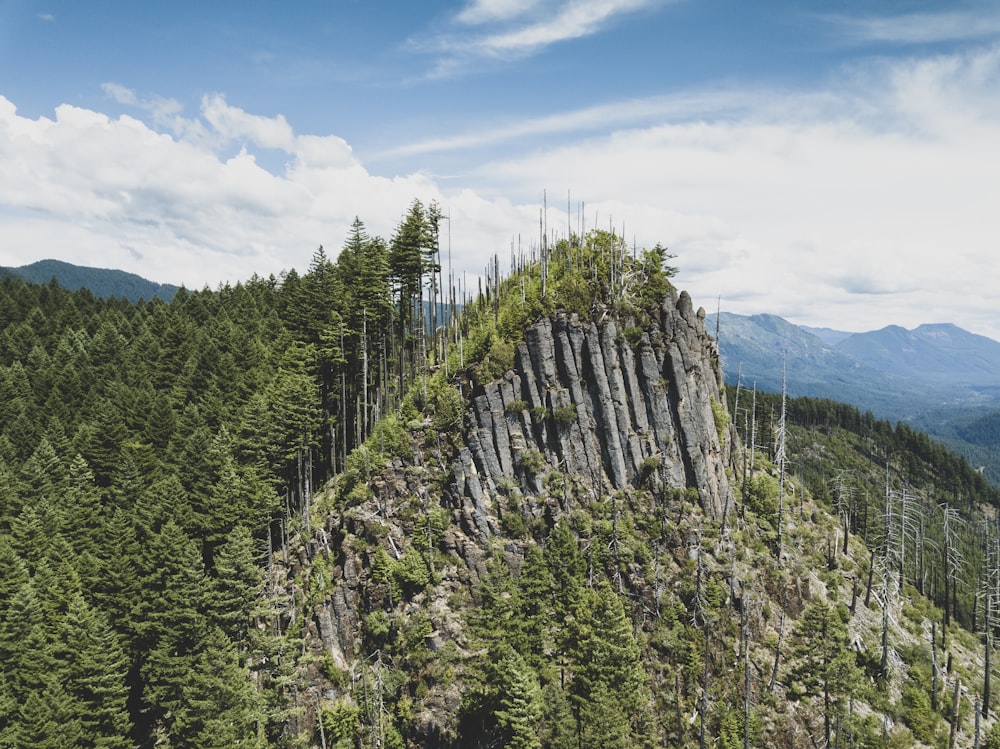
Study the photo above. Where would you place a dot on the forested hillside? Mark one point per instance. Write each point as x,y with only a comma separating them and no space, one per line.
297,512
100,282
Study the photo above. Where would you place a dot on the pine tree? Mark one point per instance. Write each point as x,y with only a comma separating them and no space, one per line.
519,700
219,707
609,692
169,622
94,669
49,719
826,666
237,584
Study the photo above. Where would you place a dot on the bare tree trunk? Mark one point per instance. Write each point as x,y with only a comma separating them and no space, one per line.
954,714
780,457
777,650
934,668
986,671
746,676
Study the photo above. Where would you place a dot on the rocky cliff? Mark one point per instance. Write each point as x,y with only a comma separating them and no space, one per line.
591,407
585,401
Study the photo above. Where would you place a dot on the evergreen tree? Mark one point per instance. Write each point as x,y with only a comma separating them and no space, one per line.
826,667
219,707
94,670
49,719
170,622
608,693
237,585
519,700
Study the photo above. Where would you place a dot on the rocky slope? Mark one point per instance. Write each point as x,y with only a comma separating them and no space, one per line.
584,408
615,427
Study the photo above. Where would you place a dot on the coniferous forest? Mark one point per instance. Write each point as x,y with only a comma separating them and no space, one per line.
192,492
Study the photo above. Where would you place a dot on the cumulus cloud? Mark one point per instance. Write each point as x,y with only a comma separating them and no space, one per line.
871,202
179,206
234,124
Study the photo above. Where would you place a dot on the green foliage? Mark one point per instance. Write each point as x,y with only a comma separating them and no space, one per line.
992,739
564,416
633,334
516,407
761,496
155,457
825,665
341,722
448,409
498,359
721,417
532,461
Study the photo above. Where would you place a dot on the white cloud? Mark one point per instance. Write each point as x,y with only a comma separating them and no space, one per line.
870,203
602,116
874,203
918,28
483,11
234,124
114,192
514,29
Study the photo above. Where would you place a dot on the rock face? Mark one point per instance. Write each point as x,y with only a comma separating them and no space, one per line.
589,409
585,402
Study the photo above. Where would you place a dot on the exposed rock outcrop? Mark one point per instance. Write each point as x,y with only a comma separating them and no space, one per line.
584,401
590,408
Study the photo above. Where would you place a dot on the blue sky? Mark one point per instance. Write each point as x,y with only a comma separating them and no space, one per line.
837,163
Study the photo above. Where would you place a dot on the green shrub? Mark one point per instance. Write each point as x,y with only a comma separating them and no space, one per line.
448,410
516,407
513,525
762,496
564,416
648,466
498,361
391,439
993,737
341,724
721,416
633,334
532,461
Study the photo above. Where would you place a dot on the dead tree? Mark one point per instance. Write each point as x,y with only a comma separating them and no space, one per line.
780,457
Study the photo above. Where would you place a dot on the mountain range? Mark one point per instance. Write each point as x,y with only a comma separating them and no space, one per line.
102,282
937,377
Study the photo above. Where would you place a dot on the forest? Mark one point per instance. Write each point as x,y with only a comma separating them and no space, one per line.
184,484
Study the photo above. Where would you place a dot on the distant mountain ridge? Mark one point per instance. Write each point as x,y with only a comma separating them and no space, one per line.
887,371
942,352
101,282
937,377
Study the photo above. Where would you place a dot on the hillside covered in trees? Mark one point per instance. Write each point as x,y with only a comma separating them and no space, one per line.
366,507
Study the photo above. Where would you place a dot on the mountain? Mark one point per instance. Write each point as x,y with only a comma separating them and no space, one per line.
938,378
276,515
755,348
893,371
829,336
100,282
943,354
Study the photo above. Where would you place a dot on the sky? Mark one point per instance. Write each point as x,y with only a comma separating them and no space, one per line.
835,163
